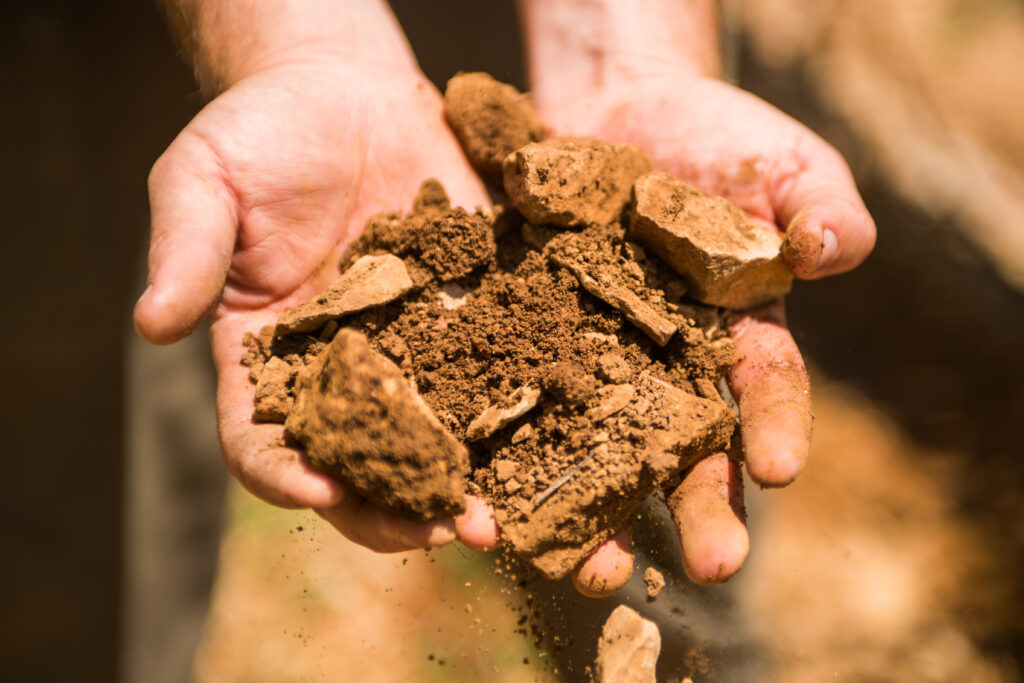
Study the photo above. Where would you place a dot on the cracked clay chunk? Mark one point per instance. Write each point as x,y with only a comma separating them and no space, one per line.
726,258
370,281
362,423
573,181
628,649
490,119
578,510
603,286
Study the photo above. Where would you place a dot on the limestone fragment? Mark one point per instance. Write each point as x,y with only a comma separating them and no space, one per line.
654,581
362,423
726,258
490,119
628,649
522,401
638,312
273,397
572,181
370,281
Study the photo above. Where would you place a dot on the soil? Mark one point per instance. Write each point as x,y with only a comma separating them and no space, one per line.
567,363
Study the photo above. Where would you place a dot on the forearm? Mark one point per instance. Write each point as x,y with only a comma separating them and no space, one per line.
227,41
580,45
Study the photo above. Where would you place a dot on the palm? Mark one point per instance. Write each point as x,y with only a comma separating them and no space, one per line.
290,163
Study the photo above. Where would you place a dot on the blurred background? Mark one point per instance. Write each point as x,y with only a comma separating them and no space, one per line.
898,555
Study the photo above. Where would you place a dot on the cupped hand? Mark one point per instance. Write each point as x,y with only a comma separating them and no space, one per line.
252,206
730,143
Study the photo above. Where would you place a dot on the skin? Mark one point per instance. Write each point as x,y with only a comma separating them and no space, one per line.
321,119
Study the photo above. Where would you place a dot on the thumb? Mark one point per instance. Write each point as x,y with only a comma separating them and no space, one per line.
828,228
193,225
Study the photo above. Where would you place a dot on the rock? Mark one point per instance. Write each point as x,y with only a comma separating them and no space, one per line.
504,469
522,401
490,119
611,399
628,649
572,181
654,581
639,313
273,391
362,423
370,281
521,434
726,258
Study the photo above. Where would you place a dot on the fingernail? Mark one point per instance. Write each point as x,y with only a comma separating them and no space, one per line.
829,250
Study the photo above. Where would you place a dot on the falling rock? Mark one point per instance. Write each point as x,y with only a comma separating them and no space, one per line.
370,281
362,423
572,181
726,258
522,401
490,119
628,649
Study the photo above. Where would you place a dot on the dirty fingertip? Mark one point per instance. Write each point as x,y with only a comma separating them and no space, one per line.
608,568
476,527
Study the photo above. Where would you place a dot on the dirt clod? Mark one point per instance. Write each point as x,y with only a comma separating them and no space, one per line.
490,119
360,421
654,581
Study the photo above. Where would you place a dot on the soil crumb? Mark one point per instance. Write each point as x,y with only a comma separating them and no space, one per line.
654,581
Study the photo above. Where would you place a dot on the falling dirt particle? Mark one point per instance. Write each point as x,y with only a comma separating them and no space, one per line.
654,580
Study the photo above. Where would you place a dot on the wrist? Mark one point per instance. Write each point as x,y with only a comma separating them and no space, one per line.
230,41
577,46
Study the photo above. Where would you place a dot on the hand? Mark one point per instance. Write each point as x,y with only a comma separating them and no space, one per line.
252,206
732,144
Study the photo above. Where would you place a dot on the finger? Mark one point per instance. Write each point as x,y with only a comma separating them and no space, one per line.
193,225
828,228
771,386
256,454
476,527
383,531
708,512
608,568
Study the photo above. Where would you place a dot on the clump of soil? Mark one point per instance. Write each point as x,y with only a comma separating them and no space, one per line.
563,358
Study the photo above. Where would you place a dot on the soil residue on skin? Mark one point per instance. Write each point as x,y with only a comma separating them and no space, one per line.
566,361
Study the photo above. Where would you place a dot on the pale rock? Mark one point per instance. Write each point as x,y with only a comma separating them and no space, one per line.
725,257
371,281
494,417
628,649
572,181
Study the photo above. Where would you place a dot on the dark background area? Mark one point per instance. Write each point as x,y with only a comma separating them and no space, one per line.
93,92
